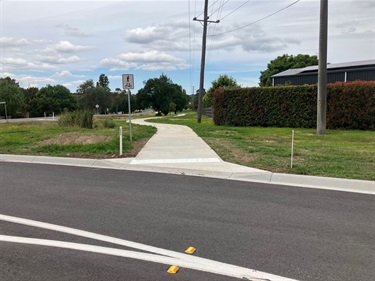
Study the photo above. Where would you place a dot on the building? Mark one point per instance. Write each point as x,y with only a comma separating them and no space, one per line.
340,72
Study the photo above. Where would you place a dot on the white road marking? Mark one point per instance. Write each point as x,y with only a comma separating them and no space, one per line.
159,255
175,161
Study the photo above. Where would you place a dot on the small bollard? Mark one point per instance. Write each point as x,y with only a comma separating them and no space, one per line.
120,141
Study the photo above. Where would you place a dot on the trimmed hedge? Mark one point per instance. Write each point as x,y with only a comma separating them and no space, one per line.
349,106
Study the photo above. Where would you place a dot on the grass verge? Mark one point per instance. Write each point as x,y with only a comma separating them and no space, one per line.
339,153
47,138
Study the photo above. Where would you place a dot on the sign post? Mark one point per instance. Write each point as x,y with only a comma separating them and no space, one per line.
127,84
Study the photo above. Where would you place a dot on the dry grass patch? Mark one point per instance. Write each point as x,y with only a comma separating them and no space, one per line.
76,138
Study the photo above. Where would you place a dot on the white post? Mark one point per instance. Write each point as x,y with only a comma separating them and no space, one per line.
120,141
291,155
53,115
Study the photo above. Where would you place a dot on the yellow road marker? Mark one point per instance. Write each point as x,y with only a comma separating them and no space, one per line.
173,269
190,250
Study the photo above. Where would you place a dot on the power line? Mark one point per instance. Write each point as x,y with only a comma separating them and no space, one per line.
220,8
234,10
212,39
254,22
208,8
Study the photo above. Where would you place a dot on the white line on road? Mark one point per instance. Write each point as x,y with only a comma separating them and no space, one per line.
160,255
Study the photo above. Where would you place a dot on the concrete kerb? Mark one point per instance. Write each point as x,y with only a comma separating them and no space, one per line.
234,172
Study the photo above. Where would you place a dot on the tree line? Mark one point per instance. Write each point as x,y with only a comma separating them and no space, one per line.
160,94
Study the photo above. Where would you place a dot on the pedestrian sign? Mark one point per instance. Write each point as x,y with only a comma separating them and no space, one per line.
128,81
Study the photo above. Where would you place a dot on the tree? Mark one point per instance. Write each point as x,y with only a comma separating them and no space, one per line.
86,87
103,82
29,94
90,95
160,93
11,93
224,81
55,99
285,62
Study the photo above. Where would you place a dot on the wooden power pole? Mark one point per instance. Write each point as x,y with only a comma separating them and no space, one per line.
322,71
203,59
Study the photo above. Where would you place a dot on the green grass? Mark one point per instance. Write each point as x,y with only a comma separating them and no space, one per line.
47,138
339,153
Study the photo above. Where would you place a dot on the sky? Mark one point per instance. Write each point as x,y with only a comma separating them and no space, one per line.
69,42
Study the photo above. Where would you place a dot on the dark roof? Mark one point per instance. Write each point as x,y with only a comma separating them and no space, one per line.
313,68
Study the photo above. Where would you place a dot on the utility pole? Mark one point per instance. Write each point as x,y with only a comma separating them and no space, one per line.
203,59
322,71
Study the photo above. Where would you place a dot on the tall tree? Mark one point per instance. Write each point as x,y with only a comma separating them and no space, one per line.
55,99
11,93
160,93
29,94
224,81
86,87
103,82
89,96
285,62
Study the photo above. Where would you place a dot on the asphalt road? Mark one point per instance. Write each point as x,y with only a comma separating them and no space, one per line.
300,233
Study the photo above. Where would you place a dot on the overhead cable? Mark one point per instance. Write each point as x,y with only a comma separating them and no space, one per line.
254,22
234,10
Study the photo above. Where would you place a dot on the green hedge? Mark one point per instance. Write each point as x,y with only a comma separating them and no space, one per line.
349,106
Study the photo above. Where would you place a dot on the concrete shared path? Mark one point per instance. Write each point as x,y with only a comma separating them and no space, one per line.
177,149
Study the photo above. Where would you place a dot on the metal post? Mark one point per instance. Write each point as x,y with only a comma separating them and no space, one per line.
322,71
130,117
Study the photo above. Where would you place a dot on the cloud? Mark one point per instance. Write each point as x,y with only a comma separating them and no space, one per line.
66,73
150,60
59,59
171,36
13,42
116,64
27,81
67,47
73,31
15,62
18,63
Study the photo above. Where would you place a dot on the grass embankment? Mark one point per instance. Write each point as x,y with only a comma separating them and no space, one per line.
47,138
339,153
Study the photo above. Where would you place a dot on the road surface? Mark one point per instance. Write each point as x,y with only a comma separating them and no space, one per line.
297,233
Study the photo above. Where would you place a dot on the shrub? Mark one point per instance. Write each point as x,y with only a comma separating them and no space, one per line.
82,119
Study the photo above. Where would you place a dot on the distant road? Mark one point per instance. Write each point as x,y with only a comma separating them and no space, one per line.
298,233
144,112
29,119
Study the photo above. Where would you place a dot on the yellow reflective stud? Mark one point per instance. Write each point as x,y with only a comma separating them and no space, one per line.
190,250
173,269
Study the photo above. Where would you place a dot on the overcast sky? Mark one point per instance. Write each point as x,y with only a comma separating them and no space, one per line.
69,42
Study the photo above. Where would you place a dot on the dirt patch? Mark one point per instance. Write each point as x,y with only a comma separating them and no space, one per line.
137,147
76,138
